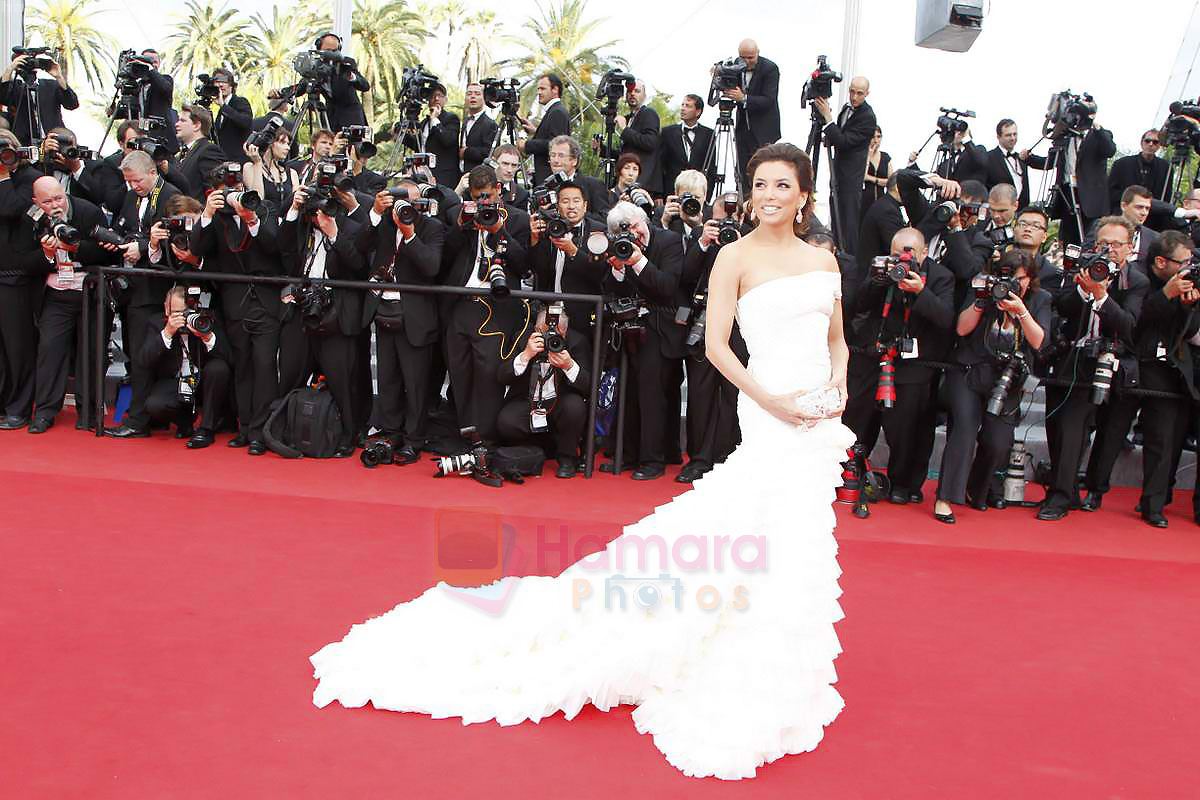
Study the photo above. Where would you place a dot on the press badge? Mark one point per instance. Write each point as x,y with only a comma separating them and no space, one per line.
911,351
538,420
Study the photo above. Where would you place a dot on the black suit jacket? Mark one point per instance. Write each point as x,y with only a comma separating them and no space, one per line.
661,285
673,161
227,246
850,144
443,143
580,274
1128,172
478,141
997,172
26,248
580,352
415,262
343,261
345,107
760,113
16,196
641,137
555,122
144,290
369,182
200,160
51,100
1091,171
232,126
159,98
599,199
879,225
968,164
1119,315
165,363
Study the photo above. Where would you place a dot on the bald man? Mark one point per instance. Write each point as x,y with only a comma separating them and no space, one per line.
640,135
919,325
850,136
60,267
758,103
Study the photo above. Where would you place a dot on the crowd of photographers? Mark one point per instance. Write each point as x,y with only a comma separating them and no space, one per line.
950,300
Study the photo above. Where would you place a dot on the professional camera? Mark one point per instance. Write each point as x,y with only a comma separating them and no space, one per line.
492,269
195,315
1096,263
501,92
996,288
943,212
690,205
151,146
380,450
11,156
613,86
318,66
555,341
65,233
694,315
132,72
68,151
1181,128
416,87
418,160
892,269
640,197
483,213
726,75
355,134
38,60
1068,115
476,462
99,233
311,299
262,139
729,230
179,230
820,83
601,244
1012,375
625,320
408,211
1106,368
320,195
952,121
1000,238
207,91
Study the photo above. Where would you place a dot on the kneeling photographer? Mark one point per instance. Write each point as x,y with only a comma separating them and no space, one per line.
646,266
712,423
317,241
1001,331
1163,365
903,316
548,389
187,364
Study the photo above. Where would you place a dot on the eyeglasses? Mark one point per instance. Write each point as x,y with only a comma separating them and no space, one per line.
1181,262
1033,226
1151,141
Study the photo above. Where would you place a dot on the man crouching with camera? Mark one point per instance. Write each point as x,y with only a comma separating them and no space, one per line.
188,364
548,389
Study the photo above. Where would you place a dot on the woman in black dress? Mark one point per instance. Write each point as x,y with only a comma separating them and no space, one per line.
269,175
879,167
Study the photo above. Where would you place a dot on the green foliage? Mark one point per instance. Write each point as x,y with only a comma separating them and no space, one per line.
66,26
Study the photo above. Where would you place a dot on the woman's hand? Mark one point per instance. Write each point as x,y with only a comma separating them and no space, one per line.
1013,305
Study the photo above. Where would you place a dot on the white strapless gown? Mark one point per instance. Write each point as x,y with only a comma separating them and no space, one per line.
729,661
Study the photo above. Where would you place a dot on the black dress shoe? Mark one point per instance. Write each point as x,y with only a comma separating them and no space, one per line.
13,423
997,502
405,454
898,497
692,472
945,519
238,441
1051,513
257,448
126,432
648,472
343,452
1092,502
861,510
40,425
917,497
1155,519
200,440
566,468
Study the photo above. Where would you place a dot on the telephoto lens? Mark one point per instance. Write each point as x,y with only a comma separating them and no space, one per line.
201,320
690,205
1102,378
406,212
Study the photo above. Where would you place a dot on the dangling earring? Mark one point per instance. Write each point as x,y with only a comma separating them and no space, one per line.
800,214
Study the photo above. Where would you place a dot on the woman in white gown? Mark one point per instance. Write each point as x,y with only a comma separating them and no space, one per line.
727,650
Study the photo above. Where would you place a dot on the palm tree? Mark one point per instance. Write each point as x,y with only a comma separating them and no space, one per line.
66,25
477,58
276,41
209,37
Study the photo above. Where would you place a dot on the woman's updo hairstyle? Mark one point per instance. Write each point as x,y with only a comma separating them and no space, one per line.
800,163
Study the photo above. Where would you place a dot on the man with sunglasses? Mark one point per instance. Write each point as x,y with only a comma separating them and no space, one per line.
1141,169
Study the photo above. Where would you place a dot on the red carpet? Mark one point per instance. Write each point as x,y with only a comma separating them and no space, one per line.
160,607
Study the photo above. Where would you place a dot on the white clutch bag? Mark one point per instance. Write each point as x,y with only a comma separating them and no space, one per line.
819,403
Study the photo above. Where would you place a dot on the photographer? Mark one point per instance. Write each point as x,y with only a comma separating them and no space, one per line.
505,160
106,178
18,334
548,391
234,116
994,235
317,241
890,213
1001,331
322,146
758,104
234,239
652,272
438,134
405,246
267,172
62,265
1144,169
628,169
685,145
1097,319
965,161
902,312
1029,234
1005,164
950,227
1087,153
53,94
1135,206
198,156
482,255
712,423
850,137
564,159
186,364
144,204
562,264
63,160
478,131
157,92
555,121
345,106
639,134
1167,319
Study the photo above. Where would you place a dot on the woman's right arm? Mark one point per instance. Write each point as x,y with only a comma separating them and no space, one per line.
722,302
968,319
252,176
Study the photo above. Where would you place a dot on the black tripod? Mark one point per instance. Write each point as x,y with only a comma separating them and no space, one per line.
32,111
1173,186
813,148
313,112
722,151
1064,182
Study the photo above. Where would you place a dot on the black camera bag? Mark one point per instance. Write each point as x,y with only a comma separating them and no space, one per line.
518,460
306,422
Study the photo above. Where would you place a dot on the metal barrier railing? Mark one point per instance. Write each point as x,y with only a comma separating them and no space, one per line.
100,324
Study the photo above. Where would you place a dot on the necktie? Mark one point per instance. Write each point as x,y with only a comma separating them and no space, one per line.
689,141
845,115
